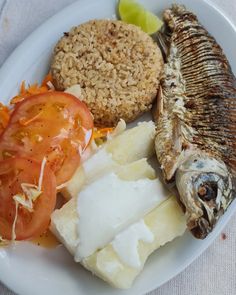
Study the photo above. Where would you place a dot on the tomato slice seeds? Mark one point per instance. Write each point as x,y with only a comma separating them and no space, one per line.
55,125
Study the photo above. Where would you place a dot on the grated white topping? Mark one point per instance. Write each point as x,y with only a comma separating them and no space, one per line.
44,161
30,193
13,234
50,85
62,185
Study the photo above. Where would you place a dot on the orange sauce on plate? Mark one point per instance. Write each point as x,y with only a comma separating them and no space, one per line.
2,244
46,240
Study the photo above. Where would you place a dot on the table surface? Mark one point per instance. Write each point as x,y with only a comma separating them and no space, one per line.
213,273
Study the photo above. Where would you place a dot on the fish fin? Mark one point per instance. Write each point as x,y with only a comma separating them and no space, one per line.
157,108
169,137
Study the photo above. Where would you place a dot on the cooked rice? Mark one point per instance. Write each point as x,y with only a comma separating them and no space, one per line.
116,64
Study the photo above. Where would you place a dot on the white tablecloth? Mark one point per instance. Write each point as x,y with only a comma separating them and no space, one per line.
214,273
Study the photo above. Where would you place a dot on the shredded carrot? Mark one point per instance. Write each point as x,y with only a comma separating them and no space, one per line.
4,117
22,87
101,132
32,89
48,78
24,92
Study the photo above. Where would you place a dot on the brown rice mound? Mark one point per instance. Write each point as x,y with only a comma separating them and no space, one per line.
117,65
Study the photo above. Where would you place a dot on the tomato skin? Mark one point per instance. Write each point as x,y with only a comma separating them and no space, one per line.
50,125
14,172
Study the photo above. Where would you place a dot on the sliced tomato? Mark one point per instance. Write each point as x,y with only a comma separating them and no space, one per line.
53,124
14,172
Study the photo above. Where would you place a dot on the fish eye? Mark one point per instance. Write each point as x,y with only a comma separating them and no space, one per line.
207,191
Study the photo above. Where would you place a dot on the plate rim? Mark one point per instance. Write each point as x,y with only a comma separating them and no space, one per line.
9,63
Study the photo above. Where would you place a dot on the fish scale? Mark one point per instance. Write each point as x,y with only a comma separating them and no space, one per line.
196,119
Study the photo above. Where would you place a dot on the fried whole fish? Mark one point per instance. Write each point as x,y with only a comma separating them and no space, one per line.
196,120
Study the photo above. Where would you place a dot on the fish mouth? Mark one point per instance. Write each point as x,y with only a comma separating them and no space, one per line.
211,210
212,195
202,229
206,190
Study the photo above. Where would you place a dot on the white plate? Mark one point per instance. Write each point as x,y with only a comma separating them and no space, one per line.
29,269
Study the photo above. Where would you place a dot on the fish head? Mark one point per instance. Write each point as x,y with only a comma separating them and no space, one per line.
206,190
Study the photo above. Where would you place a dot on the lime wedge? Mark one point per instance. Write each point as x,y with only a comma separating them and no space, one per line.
132,12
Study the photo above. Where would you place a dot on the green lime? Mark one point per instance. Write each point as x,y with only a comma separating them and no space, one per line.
134,13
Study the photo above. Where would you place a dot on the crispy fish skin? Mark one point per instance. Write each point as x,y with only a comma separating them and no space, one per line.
196,120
